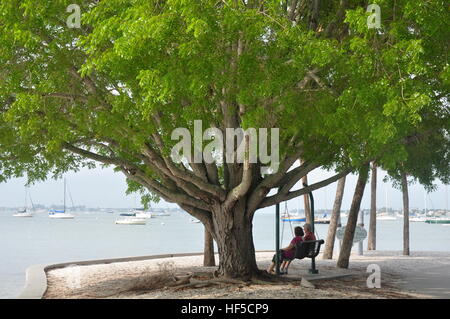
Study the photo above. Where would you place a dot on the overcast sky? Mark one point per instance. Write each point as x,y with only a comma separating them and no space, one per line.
105,188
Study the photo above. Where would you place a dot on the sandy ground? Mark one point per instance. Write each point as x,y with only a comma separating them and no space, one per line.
133,279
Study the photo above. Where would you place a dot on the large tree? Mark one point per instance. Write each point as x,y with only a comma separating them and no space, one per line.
114,90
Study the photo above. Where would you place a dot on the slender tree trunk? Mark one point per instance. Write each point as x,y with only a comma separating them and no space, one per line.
372,238
208,252
329,243
347,241
405,214
306,201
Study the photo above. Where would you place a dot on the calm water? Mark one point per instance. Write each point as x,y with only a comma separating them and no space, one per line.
28,241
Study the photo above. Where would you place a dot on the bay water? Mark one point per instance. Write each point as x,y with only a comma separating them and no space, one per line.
94,235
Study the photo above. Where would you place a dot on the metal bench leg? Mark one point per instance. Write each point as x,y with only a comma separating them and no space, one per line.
313,269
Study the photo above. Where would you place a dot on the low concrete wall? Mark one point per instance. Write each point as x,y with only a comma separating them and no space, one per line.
36,278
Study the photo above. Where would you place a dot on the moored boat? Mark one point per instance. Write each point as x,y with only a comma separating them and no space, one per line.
60,214
417,219
23,213
438,220
322,220
386,216
128,214
293,219
131,221
142,213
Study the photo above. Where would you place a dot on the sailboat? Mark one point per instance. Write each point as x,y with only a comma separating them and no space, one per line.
131,221
385,215
287,217
142,213
61,214
417,219
325,219
24,212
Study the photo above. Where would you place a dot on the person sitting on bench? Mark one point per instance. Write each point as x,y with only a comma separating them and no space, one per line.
308,234
287,254
307,237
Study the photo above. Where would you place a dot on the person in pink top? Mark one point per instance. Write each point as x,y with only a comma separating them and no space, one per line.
287,254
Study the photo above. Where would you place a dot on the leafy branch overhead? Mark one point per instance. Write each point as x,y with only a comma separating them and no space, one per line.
113,90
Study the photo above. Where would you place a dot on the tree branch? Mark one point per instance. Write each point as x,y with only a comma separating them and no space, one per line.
280,197
239,191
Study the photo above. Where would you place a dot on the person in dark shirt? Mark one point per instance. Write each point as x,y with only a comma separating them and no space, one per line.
287,254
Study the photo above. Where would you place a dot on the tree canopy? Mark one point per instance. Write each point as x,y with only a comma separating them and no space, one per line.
113,91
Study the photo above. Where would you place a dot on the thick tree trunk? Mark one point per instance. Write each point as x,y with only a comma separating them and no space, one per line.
372,238
208,252
347,241
329,243
405,214
234,238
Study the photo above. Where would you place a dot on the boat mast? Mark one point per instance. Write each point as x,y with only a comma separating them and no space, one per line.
386,197
425,200
25,198
64,194
446,199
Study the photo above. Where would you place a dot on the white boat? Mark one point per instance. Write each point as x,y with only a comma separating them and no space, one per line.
417,219
23,213
140,213
386,217
60,214
131,221
144,215
194,220
322,220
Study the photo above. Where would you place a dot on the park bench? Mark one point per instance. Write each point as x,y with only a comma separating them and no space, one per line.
308,249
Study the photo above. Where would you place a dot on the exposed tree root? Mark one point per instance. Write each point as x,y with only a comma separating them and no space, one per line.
197,280
204,279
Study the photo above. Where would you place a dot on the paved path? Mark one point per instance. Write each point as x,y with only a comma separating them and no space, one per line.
433,281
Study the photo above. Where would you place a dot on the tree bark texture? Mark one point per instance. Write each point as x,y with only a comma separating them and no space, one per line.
331,235
347,241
